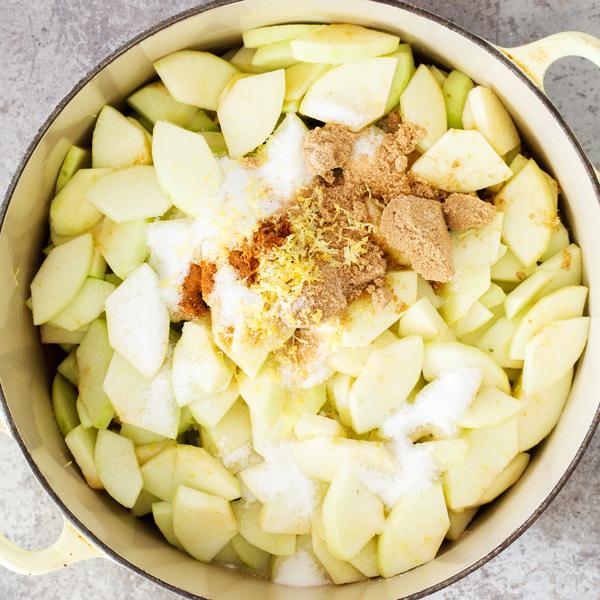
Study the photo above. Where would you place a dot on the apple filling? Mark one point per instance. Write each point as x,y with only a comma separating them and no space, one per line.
316,304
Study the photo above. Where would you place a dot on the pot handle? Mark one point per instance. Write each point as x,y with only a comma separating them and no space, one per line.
69,549
535,58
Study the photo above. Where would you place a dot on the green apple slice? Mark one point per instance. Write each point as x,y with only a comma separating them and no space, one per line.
477,246
340,571
309,426
385,382
405,68
302,401
253,38
146,451
233,431
490,407
274,56
338,389
118,468
558,242
82,444
477,316
202,523
509,476
363,322
442,357
493,297
277,517
60,278
70,212
158,469
87,305
209,410
567,267
258,560
140,436
552,351
352,360
497,339
460,161
422,103
447,453
462,291
195,78
529,214
124,245
250,111
459,522
138,321
117,143
163,517
129,194
68,367
424,290
422,319
84,415
342,43
492,120
439,75
300,77
353,94
143,504
352,515
235,77
456,88
366,560
565,303
75,159
186,168
243,60
492,449
413,532
64,398
57,335
541,411
509,269
523,294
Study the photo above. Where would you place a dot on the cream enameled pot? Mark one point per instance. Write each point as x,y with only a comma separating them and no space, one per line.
95,525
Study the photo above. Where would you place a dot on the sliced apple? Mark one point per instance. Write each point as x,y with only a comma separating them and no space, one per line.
456,89
552,351
490,407
558,242
64,398
405,69
185,167
567,266
422,103
462,291
210,409
340,571
497,339
509,270
309,426
68,367
233,431
82,443
300,77
523,295
459,522
76,158
243,60
477,316
163,517
124,245
342,43
493,297
461,161
338,389
509,476
353,94
478,246
274,56
422,319
352,360
253,38
366,560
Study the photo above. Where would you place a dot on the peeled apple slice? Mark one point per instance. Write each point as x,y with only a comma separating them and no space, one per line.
77,158
342,43
422,103
510,475
490,407
185,167
461,161
405,69
352,94
274,56
253,38
300,77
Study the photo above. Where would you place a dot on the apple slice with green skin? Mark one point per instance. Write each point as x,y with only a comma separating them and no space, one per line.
118,468
565,303
422,319
202,523
541,411
366,560
460,161
490,407
353,94
163,517
68,368
75,159
385,382
243,60
340,571
477,316
158,470
338,389
247,513
422,103
64,399
529,214
274,56
87,306
300,77
352,515
82,444
251,110
258,560
209,410
442,357
195,78
523,295
405,69
70,212
233,431
309,426
462,291
509,476
558,242
459,522
414,531
138,321
456,88
117,143
129,194
60,278
478,246
492,449
342,43
84,415
567,266
148,404
352,360
140,436
491,119
186,168
93,358
363,322
124,245
552,351
253,38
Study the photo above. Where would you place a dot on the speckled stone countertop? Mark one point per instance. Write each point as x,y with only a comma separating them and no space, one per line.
47,46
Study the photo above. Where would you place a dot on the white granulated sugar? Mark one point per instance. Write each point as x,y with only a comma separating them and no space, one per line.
229,297
300,570
437,405
367,142
334,112
241,456
282,480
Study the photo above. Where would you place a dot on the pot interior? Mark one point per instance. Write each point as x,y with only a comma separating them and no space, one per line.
24,378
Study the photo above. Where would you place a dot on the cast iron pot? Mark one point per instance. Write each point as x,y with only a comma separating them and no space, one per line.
95,525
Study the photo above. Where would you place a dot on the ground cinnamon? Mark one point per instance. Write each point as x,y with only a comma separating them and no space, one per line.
192,304
209,270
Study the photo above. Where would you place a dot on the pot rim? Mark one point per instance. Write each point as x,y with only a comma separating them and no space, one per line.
205,7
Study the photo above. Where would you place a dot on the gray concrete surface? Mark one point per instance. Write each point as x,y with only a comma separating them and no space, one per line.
47,46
